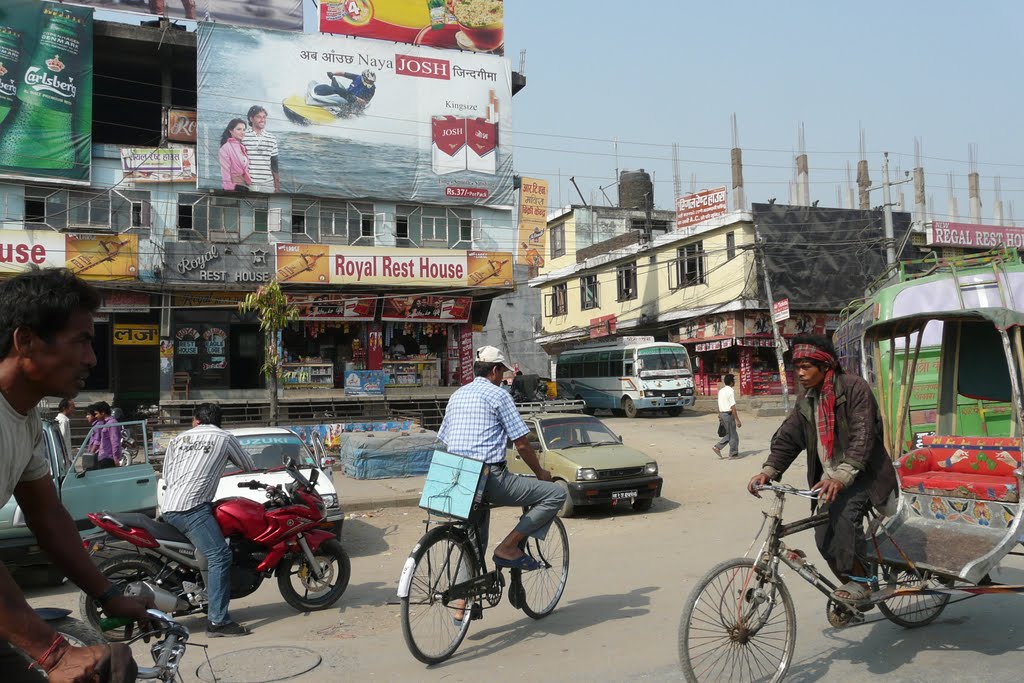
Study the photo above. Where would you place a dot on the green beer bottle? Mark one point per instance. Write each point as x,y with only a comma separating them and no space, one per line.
10,68
42,133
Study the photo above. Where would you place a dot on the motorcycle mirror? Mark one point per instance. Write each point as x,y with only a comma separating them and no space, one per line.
314,475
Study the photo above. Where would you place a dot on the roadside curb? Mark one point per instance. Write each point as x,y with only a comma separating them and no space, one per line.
772,412
361,504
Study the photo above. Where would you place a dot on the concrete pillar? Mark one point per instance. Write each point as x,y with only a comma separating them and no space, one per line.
739,202
863,183
920,205
974,197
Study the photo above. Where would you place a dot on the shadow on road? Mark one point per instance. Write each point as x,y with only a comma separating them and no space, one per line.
364,540
566,619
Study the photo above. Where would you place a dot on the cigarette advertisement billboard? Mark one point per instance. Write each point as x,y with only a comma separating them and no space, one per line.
474,25
347,117
45,91
279,14
93,257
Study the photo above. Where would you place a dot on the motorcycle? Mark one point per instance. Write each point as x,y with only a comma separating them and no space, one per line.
277,537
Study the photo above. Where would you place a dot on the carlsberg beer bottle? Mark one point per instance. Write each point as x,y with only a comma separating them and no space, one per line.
10,69
42,133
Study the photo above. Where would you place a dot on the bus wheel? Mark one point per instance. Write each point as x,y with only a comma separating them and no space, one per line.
629,408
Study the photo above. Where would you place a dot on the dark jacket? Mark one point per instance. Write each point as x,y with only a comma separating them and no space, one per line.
859,440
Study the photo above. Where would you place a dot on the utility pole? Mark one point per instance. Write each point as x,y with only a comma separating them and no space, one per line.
504,339
890,240
779,348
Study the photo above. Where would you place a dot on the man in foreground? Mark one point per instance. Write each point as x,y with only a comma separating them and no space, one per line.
46,335
193,466
837,422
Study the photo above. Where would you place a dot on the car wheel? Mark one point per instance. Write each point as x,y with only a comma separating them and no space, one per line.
675,412
629,408
568,507
618,412
642,504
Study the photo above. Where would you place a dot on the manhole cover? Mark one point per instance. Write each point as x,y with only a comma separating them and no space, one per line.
260,665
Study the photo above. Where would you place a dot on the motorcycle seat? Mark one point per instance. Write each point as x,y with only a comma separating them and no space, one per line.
160,530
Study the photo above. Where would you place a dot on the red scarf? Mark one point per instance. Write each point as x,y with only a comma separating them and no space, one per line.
827,402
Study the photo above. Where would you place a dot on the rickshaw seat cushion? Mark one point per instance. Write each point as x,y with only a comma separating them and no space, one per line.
962,466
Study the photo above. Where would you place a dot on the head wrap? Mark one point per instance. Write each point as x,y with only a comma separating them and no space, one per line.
827,403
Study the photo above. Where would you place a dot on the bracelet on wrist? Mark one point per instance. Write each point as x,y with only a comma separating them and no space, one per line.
44,661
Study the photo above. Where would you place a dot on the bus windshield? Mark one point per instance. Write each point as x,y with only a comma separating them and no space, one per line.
659,359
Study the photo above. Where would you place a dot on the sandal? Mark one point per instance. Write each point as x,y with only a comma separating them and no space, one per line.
856,592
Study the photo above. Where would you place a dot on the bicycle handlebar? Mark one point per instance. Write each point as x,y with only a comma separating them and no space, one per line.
786,488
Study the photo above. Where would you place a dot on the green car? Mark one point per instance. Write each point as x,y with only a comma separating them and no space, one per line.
590,462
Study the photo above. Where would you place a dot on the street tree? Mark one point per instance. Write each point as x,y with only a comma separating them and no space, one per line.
271,305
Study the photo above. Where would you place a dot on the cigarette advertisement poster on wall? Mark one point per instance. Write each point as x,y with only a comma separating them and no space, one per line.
348,117
449,309
474,25
533,221
93,257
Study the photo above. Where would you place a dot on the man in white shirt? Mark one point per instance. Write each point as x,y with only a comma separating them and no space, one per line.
729,418
193,466
65,409
262,149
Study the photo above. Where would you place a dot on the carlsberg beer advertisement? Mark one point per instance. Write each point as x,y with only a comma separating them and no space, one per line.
45,91
348,117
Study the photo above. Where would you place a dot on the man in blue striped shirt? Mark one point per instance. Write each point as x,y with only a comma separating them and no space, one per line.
478,422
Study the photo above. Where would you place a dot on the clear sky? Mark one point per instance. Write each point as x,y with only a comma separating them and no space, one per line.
658,71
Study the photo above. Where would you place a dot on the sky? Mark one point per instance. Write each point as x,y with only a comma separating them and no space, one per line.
650,73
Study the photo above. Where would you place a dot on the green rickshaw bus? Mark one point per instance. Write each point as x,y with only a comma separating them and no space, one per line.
987,280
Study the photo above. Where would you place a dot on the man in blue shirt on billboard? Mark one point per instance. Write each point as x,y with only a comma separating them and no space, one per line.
358,93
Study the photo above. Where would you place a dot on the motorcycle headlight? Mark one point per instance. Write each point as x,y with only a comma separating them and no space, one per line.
586,474
330,500
651,468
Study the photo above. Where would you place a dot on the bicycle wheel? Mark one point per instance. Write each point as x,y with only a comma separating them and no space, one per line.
915,609
543,588
734,628
442,558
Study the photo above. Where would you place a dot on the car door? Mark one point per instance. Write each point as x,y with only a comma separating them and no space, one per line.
321,458
515,461
131,488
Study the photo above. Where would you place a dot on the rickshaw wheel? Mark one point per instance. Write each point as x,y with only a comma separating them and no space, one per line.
912,611
841,616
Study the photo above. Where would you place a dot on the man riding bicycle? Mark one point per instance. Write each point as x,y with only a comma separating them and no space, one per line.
478,422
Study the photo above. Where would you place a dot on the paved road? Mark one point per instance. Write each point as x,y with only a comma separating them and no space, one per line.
618,619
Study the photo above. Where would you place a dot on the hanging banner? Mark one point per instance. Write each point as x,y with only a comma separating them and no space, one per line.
426,309
279,14
158,164
45,91
411,123
474,25
533,221
334,307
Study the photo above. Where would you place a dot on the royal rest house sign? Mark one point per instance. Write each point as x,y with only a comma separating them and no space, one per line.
218,263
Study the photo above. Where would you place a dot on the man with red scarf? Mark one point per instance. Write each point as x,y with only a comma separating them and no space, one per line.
836,421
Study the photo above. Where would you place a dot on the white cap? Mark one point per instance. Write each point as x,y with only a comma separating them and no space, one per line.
489,354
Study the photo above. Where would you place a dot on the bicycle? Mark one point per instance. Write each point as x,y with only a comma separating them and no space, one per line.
739,622
448,565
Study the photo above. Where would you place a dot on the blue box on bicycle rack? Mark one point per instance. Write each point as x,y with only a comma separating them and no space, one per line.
453,484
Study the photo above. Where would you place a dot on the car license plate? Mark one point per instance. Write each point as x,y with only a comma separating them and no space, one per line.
619,495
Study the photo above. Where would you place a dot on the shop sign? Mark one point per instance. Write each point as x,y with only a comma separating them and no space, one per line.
91,257
208,299
427,309
602,326
158,164
780,311
756,342
364,382
717,345
235,264
181,125
125,302
334,307
974,236
533,221
466,353
700,206
136,335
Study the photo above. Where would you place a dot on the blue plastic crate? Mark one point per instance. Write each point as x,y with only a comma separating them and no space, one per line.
453,484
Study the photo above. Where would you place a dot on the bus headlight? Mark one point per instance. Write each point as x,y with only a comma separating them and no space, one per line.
586,474
651,468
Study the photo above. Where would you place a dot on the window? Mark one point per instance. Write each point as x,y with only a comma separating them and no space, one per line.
588,292
88,210
690,266
206,217
44,206
402,225
129,209
361,223
625,278
224,217
186,217
557,300
305,217
730,246
557,235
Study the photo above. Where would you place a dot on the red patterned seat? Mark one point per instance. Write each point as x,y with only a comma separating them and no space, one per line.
963,467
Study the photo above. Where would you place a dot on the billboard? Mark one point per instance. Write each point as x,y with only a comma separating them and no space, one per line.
279,14
533,222
449,309
45,91
351,118
93,257
974,236
474,25
700,206
158,164
181,126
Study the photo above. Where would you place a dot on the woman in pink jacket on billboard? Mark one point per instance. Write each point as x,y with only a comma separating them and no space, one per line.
234,159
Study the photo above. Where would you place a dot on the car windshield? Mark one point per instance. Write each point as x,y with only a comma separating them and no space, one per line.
663,358
268,451
576,432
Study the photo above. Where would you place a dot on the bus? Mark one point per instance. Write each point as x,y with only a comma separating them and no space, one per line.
626,376
992,279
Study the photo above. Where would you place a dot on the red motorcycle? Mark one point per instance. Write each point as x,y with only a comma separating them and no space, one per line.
277,537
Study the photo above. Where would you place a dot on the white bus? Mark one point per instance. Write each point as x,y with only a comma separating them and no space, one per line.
627,375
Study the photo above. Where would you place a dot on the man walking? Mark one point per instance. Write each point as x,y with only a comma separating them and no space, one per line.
729,418
46,335
262,148
193,466
105,441
65,409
